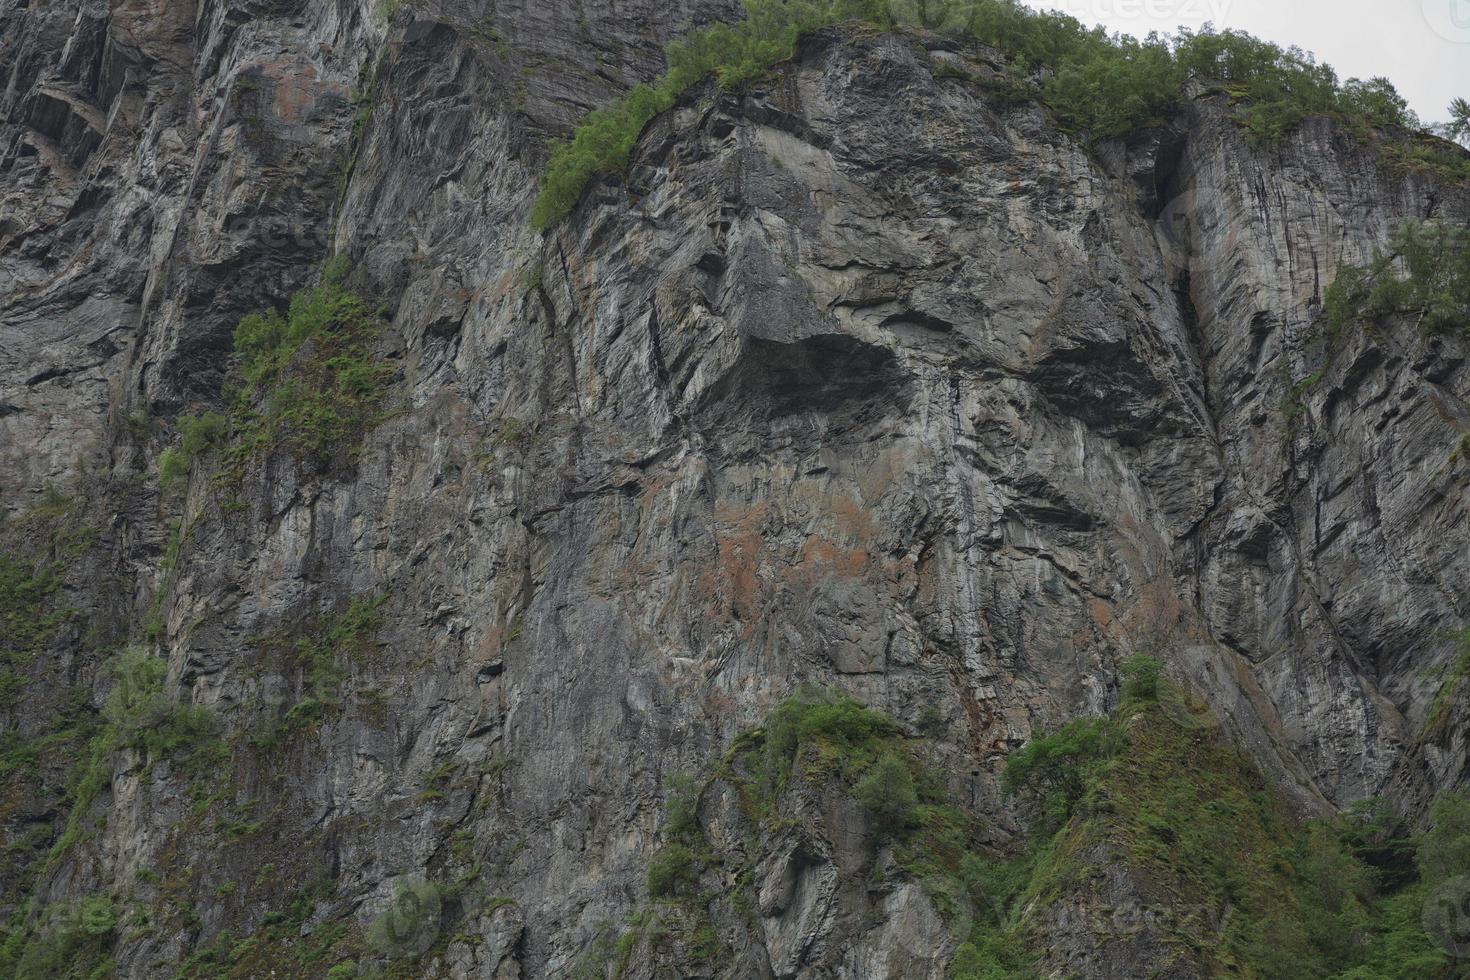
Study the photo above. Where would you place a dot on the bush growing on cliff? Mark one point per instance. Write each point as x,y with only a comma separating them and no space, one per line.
1425,275
673,872
887,791
198,435
72,940
845,727
1141,674
138,714
1056,769
305,380
141,714
1100,85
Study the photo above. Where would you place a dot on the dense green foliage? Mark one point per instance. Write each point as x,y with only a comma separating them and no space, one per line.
1142,677
1439,711
73,941
305,381
1424,274
887,790
1098,85
1057,768
1257,894
837,726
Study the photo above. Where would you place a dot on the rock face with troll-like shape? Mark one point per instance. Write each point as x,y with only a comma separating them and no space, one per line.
865,376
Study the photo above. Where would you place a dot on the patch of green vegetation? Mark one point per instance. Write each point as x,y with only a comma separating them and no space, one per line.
1102,86
826,732
139,714
36,552
1252,892
814,737
198,435
1424,275
279,948
1439,712
674,872
323,651
305,382
69,940
1057,769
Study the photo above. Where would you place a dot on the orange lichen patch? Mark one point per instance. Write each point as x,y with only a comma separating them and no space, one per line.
854,518
1102,615
297,89
458,418
735,578
821,559
848,518
731,586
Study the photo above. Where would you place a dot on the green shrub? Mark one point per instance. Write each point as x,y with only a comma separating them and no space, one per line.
1141,677
673,872
681,806
887,790
198,435
1444,850
141,715
72,940
819,716
304,380
1056,769
1425,274
1382,840
1099,85
987,956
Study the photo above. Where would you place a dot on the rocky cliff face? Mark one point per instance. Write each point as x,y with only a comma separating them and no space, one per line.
865,376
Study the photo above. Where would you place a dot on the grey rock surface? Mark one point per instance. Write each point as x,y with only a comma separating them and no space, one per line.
859,377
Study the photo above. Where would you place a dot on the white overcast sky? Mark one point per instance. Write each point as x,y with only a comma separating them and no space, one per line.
1422,46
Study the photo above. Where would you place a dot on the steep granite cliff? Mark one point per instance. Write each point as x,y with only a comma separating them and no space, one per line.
867,376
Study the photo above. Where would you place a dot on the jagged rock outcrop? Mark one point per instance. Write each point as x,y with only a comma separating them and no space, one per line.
861,376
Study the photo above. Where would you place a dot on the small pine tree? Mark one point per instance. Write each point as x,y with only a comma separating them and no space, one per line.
887,790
